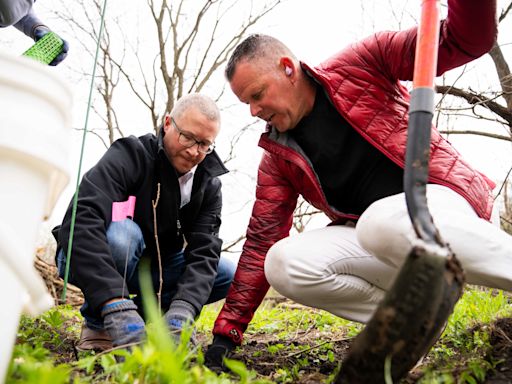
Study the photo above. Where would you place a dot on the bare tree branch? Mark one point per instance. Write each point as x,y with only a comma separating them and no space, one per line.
93,132
107,74
231,245
504,186
223,55
235,139
477,99
478,133
505,12
504,74
303,214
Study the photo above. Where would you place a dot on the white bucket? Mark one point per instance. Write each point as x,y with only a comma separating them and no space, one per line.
35,117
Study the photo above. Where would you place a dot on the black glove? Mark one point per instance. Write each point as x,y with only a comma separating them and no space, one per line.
221,347
123,323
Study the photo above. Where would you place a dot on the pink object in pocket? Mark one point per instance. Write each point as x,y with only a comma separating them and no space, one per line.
123,209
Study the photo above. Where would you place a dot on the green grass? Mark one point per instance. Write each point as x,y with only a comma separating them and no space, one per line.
460,356
283,322
44,342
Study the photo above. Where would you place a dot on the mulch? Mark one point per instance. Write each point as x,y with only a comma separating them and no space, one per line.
55,284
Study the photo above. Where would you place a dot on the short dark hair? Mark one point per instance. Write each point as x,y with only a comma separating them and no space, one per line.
254,46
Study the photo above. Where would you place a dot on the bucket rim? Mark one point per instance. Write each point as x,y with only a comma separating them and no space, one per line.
60,99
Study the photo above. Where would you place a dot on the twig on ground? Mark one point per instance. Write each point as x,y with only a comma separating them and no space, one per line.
504,335
318,345
298,326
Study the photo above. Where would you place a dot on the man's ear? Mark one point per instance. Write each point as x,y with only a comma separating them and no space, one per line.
287,65
167,122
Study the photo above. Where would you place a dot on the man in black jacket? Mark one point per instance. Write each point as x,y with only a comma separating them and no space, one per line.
149,198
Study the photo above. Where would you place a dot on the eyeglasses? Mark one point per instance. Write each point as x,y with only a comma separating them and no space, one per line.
188,141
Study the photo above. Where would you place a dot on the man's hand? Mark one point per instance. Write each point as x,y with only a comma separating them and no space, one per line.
42,30
217,351
123,323
179,315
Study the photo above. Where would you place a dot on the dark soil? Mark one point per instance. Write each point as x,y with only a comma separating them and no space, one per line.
501,341
307,353
310,357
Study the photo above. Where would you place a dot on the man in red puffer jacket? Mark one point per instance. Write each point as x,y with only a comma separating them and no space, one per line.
336,135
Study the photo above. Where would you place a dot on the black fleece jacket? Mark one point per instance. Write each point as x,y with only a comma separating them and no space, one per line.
135,167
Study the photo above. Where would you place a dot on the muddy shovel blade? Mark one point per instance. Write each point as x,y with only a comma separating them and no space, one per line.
408,320
415,310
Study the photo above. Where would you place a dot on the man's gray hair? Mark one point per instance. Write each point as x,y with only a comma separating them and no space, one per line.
255,47
205,105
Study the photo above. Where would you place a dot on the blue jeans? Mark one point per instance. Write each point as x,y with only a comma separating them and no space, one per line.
127,244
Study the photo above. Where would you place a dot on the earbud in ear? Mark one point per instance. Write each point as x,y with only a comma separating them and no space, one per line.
288,71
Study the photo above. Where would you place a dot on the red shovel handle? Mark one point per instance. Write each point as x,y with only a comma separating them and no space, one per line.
425,64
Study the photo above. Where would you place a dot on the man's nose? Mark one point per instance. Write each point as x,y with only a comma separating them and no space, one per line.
193,150
255,110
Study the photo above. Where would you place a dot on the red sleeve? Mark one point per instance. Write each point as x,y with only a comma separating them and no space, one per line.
271,221
468,32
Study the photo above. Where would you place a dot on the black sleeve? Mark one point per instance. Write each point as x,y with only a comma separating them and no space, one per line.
203,249
92,268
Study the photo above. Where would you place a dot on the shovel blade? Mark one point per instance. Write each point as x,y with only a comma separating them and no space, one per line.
409,319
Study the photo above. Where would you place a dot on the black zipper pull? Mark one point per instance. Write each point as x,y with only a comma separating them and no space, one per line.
178,225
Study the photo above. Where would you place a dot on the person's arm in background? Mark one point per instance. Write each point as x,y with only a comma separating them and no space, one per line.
21,15
12,11
468,32
29,23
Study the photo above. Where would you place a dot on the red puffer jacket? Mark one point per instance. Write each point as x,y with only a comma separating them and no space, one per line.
363,82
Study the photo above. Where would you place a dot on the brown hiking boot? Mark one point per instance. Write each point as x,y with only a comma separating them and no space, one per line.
93,340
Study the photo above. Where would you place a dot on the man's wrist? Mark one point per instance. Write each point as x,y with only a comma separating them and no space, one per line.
114,300
224,341
38,30
181,309
29,23
117,306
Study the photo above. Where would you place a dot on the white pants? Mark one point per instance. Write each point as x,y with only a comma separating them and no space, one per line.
346,271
